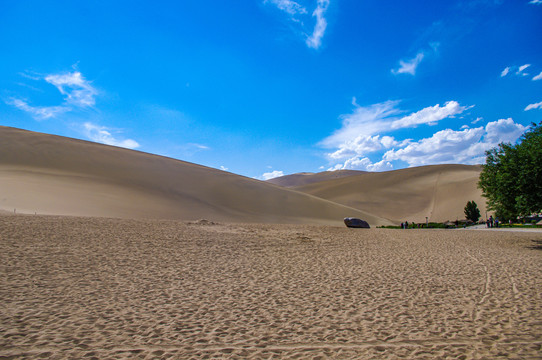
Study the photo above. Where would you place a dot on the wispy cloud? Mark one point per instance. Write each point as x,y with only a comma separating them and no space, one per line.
76,90
291,7
539,76
534,106
409,66
198,146
315,39
37,112
521,70
535,2
430,115
300,15
365,121
102,134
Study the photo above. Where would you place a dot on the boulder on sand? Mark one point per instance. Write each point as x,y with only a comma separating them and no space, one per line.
356,223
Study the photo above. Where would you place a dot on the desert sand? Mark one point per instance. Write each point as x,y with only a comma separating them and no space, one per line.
74,287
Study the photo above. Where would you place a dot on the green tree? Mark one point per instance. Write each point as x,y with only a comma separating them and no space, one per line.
472,212
511,179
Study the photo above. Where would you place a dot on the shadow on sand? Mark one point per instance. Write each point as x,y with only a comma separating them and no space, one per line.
537,245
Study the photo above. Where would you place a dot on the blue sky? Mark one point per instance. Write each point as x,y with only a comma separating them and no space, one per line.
263,88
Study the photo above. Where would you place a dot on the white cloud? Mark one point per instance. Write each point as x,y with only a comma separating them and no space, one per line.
534,106
521,70
368,130
271,175
364,164
298,14
37,112
223,168
429,115
367,121
315,40
503,130
77,91
409,66
362,144
359,127
289,6
536,2
198,146
446,146
103,135
466,147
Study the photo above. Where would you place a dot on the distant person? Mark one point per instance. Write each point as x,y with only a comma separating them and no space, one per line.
491,221
406,224
487,223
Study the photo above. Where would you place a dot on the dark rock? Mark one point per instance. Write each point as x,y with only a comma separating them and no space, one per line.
356,223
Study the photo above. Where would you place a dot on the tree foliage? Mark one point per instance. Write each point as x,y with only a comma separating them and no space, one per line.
511,179
472,212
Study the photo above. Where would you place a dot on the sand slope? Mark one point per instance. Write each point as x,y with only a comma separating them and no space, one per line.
56,175
439,192
301,179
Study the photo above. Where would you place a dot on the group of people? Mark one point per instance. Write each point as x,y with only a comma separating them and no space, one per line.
406,225
492,222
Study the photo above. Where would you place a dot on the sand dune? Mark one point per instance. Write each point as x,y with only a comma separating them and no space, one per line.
48,174
301,179
439,192
152,289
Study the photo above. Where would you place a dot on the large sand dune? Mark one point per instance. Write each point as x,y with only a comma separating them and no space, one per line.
439,192
48,174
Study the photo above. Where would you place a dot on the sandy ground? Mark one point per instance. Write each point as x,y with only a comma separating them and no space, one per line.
106,288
